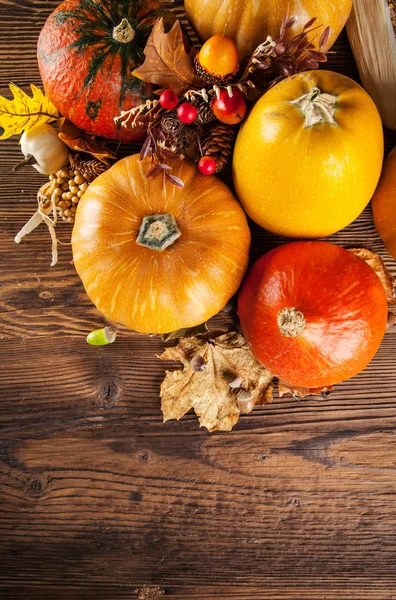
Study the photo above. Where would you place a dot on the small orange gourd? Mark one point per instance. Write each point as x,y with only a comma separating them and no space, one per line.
155,257
384,204
217,61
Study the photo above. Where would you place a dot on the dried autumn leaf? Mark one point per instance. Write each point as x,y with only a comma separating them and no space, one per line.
284,389
185,333
378,265
24,112
80,141
167,63
208,391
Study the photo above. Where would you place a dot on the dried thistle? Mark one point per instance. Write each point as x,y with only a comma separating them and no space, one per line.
277,58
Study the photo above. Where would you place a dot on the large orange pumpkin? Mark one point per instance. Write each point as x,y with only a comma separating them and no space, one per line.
313,313
155,257
249,22
384,204
308,157
86,53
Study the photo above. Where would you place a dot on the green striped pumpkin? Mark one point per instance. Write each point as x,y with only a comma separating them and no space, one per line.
87,51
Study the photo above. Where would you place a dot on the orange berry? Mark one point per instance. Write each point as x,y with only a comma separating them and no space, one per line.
219,56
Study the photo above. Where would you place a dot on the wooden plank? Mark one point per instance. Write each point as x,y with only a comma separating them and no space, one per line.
98,497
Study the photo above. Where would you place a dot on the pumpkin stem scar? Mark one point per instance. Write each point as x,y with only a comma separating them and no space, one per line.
124,32
158,232
291,322
317,107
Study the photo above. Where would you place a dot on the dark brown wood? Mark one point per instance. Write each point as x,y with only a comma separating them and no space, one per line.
99,499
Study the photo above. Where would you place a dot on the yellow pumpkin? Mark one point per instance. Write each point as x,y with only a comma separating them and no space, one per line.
155,257
249,22
384,204
308,157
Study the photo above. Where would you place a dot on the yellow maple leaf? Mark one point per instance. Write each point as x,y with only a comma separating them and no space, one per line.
24,112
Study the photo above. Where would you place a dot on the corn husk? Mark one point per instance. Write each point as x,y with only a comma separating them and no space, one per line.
372,37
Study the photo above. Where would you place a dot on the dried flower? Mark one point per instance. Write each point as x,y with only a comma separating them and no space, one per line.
277,58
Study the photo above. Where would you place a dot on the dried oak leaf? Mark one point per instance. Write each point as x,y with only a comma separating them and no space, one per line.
208,391
284,389
24,112
378,265
167,63
80,141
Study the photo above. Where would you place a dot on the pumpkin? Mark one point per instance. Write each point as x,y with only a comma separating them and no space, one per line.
384,204
308,157
86,54
155,257
313,313
249,22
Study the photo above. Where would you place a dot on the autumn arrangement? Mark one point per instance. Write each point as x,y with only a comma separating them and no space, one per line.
160,243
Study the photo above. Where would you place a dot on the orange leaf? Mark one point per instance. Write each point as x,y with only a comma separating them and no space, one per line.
167,63
377,264
81,141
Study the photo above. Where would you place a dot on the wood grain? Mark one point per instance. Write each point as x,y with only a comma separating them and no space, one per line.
99,499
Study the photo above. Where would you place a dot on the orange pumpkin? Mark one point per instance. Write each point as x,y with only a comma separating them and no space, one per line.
309,156
313,313
155,257
384,204
249,22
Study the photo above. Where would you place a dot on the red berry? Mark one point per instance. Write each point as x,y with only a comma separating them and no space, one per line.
229,109
187,112
207,165
168,99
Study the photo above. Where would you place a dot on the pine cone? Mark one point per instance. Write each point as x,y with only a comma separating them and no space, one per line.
217,141
176,142
91,167
170,123
205,113
182,139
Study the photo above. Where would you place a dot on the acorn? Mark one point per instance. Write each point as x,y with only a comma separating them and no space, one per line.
217,61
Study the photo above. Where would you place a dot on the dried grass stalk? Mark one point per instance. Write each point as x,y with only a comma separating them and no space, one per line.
372,37
46,206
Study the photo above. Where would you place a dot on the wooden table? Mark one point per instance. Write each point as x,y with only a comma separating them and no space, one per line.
99,498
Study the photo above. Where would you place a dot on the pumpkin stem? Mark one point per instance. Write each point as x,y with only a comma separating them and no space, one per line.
28,160
124,32
317,107
158,232
291,322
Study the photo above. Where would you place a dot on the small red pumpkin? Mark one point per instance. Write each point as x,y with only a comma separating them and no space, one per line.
86,53
313,313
